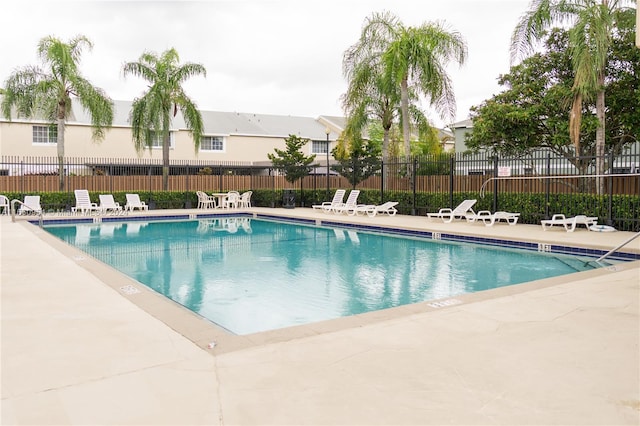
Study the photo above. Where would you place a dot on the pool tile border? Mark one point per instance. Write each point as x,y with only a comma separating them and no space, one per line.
523,245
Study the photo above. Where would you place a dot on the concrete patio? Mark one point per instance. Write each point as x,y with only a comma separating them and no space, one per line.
78,351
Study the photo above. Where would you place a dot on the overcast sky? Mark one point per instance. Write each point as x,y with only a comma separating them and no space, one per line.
262,56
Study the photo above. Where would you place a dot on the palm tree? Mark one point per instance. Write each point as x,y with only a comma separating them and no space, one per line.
151,114
367,98
592,24
47,93
413,59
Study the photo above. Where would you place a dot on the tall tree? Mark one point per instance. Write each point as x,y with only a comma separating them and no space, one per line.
47,91
292,161
413,59
531,110
368,98
360,162
152,113
592,23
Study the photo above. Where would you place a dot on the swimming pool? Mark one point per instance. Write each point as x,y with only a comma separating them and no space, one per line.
250,275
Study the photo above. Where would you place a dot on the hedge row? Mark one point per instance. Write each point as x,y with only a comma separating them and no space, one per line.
625,209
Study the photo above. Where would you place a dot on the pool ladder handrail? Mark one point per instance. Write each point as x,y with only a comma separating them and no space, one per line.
13,211
613,250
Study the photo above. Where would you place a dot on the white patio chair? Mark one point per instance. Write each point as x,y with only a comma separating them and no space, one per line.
134,202
83,203
388,208
569,223
245,199
5,207
460,212
205,201
489,219
350,205
232,200
327,206
107,203
30,205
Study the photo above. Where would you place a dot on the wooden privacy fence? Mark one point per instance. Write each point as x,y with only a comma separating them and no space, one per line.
620,185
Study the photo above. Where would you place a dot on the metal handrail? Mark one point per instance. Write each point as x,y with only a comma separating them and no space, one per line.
633,237
13,211
538,177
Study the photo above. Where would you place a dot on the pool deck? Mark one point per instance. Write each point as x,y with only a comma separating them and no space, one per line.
79,348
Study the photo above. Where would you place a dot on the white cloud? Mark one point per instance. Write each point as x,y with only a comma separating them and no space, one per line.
262,56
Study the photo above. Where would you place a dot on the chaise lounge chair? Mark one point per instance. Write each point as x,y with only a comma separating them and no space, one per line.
569,223
350,205
83,203
328,206
489,218
30,205
371,210
107,203
461,212
133,202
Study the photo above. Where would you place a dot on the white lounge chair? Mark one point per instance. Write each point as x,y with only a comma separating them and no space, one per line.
133,202
489,219
371,210
569,223
350,205
327,206
83,203
205,201
107,203
448,215
30,205
4,204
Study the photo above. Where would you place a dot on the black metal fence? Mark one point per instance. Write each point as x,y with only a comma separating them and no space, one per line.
537,185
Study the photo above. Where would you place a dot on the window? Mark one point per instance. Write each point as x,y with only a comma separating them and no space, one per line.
211,143
319,147
45,134
156,141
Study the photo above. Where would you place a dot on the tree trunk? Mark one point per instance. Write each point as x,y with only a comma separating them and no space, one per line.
166,144
600,134
60,147
385,155
404,105
575,121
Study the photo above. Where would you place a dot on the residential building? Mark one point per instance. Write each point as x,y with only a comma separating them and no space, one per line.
230,137
460,130
235,138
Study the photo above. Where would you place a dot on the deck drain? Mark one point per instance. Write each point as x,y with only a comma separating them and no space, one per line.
129,289
78,258
443,303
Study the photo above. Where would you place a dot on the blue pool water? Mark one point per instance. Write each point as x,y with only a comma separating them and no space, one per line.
250,275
